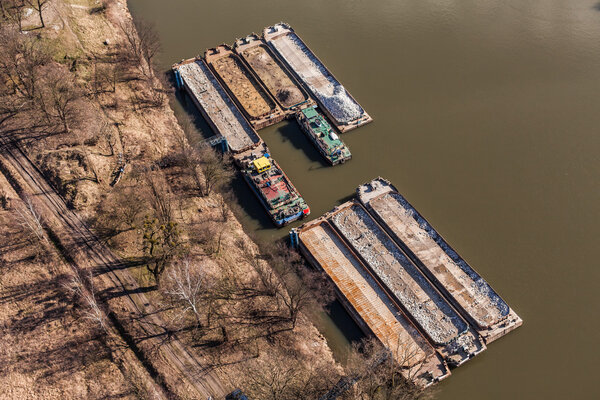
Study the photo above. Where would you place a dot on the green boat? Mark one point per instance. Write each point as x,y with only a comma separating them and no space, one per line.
322,135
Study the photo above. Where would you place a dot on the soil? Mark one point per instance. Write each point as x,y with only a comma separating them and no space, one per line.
275,79
82,171
48,350
243,86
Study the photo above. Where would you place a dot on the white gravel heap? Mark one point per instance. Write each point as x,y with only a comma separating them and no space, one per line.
325,87
409,286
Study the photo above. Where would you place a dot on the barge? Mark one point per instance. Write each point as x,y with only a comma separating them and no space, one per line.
366,300
322,135
456,341
275,77
273,189
453,276
248,93
215,105
341,108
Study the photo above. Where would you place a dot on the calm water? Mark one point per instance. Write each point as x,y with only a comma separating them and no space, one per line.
486,118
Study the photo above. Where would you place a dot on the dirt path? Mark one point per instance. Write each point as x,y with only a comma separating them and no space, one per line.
84,248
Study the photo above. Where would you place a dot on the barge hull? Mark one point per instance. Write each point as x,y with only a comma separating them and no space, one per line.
216,107
245,89
366,301
341,108
457,280
274,76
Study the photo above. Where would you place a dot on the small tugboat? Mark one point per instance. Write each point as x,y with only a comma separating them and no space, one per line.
274,190
323,136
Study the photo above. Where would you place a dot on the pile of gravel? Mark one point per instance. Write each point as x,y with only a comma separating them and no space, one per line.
333,95
435,316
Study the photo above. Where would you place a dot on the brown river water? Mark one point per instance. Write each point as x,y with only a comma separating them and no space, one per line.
486,117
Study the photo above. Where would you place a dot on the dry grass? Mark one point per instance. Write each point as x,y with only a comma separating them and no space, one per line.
47,349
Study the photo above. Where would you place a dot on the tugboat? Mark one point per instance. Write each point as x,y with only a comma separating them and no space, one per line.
274,190
323,136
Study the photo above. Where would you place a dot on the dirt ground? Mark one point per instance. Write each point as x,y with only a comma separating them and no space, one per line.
48,349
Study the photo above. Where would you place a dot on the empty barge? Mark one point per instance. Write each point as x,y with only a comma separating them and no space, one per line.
273,188
343,110
322,135
366,300
275,77
454,277
248,93
405,283
216,106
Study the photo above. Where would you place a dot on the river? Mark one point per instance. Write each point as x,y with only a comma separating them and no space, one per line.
486,117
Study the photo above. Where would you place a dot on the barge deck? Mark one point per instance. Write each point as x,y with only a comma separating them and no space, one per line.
436,318
258,106
343,110
273,188
366,300
272,73
216,106
453,276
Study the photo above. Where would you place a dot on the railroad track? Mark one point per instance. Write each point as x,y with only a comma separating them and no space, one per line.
84,246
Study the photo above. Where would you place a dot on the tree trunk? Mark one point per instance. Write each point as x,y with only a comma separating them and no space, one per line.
40,5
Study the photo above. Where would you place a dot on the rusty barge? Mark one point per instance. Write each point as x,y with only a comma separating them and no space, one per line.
369,304
272,73
215,105
255,102
384,265
461,284
341,108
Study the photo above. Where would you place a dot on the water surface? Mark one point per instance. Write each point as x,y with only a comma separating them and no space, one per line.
486,117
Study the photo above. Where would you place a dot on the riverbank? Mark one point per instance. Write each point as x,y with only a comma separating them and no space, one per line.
135,136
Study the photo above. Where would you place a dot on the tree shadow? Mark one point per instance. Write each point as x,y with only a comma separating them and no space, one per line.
119,264
596,6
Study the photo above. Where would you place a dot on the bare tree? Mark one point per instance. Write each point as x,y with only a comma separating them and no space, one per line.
20,61
160,196
59,96
30,220
162,244
186,283
300,287
286,377
215,171
39,6
141,45
83,289
384,372
12,11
